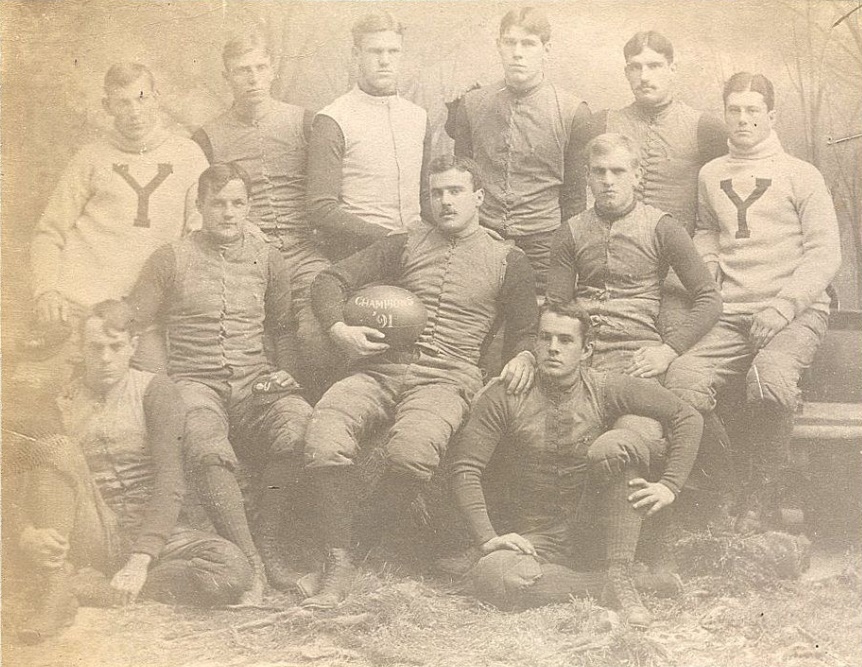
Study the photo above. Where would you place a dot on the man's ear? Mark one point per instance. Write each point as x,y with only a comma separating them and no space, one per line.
587,351
480,196
134,341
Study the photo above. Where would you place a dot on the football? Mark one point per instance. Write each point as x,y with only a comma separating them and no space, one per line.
399,314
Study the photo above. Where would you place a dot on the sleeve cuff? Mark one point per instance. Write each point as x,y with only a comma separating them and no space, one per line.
785,307
670,485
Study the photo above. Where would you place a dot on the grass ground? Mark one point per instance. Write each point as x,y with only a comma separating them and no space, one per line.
727,617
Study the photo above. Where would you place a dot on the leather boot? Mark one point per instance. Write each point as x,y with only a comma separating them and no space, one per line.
56,609
621,592
337,580
280,477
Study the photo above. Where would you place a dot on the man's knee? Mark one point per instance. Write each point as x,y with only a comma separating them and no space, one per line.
418,459
329,440
773,378
206,441
616,451
691,383
502,577
288,423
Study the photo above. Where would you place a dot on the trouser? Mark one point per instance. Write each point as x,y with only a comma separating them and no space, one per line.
319,363
427,400
771,373
193,567
537,248
596,523
615,358
222,422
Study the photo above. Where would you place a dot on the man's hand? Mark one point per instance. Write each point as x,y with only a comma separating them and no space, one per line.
653,495
52,308
519,373
45,547
358,341
510,541
764,326
648,362
276,381
130,580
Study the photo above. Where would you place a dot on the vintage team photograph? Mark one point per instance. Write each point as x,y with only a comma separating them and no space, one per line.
421,333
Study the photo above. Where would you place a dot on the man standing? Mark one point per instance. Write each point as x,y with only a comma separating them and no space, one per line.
213,293
467,279
106,493
518,131
368,149
768,232
117,201
571,481
269,138
675,142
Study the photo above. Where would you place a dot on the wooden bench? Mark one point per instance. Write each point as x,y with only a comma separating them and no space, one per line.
827,436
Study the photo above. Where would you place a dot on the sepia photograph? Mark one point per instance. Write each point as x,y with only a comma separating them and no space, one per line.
364,333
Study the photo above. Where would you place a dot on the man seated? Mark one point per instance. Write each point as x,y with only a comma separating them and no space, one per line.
106,492
572,483
214,293
766,228
467,279
269,138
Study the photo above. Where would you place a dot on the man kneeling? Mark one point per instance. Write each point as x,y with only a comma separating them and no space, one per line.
106,495
575,483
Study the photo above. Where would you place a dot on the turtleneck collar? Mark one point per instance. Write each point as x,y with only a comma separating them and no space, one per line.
373,99
613,217
150,142
766,148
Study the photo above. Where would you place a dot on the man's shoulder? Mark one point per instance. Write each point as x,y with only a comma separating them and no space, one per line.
714,167
799,166
182,145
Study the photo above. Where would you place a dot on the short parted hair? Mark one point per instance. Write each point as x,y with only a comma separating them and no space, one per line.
217,175
124,73
574,311
742,82
458,163
610,141
117,317
378,21
245,43
648,39
533,20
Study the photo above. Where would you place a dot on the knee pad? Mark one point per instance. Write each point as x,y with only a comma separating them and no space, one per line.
773,378
615,451
417,460
692,385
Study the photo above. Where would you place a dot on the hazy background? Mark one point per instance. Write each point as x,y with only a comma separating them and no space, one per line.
54,55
